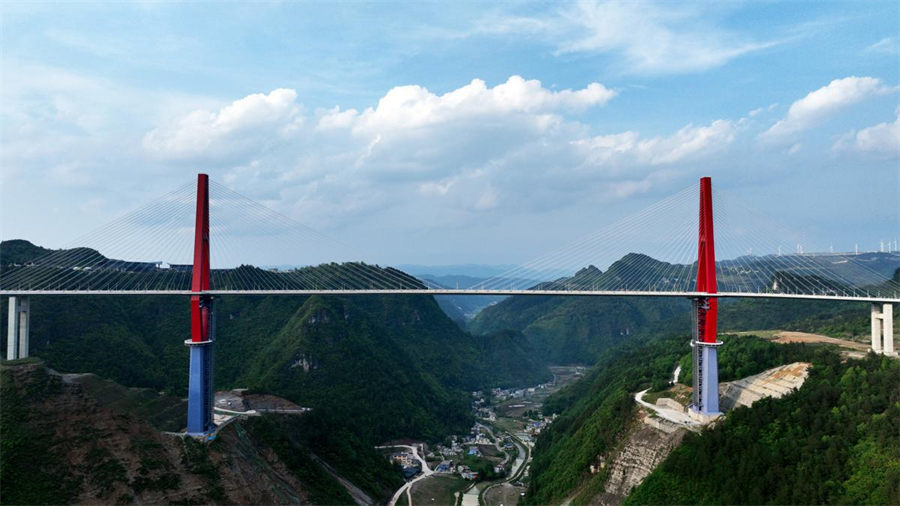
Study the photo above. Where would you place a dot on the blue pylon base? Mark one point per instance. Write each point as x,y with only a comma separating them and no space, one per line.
200,390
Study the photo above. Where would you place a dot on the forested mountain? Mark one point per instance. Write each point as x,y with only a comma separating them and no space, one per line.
835,441
67,440
596,412
398,358
389,366
574,329
20,251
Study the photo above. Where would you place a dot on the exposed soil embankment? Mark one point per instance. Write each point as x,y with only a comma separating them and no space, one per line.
804,337
776,382
651,438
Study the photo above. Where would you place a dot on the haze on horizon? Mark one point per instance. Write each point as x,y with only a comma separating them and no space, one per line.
453,134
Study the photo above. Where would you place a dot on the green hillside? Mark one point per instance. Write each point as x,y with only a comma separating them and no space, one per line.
575,329
570,330
596,412
389,366
835,441
89,440
331,355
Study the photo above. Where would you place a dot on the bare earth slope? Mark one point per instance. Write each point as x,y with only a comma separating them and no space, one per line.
651,439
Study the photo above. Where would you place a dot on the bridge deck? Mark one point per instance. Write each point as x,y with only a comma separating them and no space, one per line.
451,291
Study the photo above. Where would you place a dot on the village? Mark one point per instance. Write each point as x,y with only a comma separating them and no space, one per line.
492,459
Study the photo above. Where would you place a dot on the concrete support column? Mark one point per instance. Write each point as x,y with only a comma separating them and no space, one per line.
705,405
876,327
883,328
18,329
201,394
887,328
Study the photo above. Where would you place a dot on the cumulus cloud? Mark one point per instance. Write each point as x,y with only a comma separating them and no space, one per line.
251,121
819,105
881,140
415,107
472,149
649,37
629,148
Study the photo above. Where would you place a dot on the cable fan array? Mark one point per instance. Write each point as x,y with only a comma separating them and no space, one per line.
150,250
654,250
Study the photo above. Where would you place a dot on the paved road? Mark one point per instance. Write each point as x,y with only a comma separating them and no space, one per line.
496,443
407,487
516,470
679,417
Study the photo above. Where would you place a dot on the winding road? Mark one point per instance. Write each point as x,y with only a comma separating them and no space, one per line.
679,417
407,487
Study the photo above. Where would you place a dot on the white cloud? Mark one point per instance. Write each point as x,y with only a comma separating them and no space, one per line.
473,149
414,106
246,125
819,105
628,148
887,45
649,37
881,140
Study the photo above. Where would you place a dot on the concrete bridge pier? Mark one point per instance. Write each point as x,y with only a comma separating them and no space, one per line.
883,328
18,329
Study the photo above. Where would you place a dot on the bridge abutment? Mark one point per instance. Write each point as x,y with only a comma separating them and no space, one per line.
883,328
19,328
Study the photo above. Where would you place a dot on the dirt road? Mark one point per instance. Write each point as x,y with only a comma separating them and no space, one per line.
803,337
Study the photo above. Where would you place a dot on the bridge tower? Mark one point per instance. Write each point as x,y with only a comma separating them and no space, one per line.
200,384
705,405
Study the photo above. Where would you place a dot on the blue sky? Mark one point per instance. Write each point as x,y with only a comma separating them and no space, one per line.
473,132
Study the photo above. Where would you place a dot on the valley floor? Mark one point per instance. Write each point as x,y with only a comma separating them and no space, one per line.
509,421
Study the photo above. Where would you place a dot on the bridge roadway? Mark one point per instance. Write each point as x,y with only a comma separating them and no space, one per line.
461,291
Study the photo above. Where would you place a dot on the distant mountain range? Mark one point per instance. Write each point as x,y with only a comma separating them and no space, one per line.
471,270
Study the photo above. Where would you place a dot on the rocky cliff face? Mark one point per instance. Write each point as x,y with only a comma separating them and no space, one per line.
652,439
647,445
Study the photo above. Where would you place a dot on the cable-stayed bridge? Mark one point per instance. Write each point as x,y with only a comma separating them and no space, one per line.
149,251
200,239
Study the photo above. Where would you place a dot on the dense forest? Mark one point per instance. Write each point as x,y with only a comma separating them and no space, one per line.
596,411
390,366
404,344
64,441
834,441
579,329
